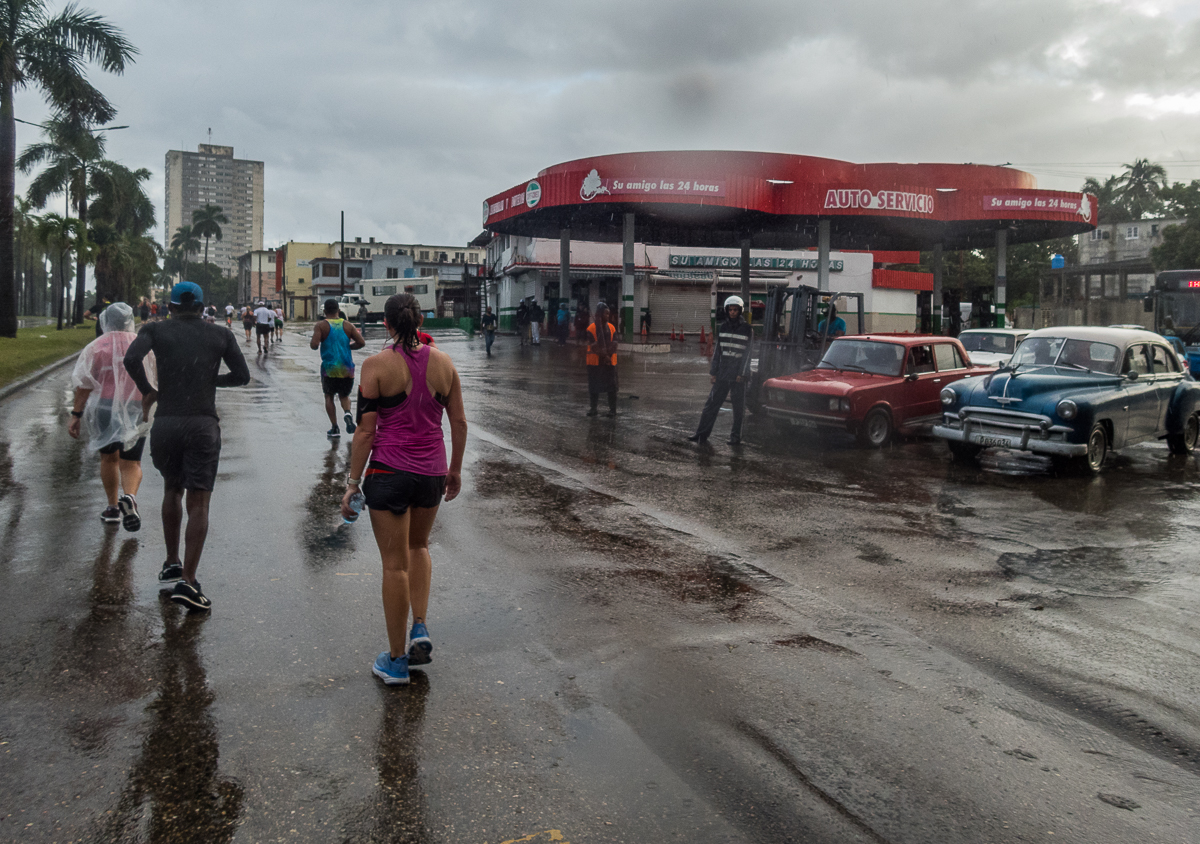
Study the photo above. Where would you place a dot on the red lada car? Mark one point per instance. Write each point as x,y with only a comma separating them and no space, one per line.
872,385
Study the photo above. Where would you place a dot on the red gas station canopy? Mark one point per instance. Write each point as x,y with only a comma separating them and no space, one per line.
719,198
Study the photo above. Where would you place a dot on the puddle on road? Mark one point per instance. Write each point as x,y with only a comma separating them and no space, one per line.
803,640
1088,569
643,553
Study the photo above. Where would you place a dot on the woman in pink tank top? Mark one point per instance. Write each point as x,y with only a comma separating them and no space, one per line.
399,461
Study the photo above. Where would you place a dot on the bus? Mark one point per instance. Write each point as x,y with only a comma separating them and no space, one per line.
1175,302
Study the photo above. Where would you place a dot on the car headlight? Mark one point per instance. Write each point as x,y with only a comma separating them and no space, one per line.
844,406
949,397
833,405
1067,409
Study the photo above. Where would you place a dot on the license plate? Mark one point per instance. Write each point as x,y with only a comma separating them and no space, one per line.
996,441
804,423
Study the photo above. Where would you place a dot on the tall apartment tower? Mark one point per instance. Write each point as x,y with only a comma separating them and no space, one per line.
212,176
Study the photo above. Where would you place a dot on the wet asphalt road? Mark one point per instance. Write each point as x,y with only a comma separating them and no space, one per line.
635,640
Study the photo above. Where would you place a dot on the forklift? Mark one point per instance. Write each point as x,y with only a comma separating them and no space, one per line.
790,341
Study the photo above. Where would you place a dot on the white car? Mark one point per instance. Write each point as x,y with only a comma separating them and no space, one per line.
992,346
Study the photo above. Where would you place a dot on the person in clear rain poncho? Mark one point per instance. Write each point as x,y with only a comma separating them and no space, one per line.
108,413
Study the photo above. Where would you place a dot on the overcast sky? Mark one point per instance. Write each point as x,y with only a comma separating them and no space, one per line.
406,114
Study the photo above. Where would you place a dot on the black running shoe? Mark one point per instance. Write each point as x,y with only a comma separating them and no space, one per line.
129,513
189,595
171,574
111,516
350,426
333,433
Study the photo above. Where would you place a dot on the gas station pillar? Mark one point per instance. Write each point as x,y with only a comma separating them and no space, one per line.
744,266
935,300
823,256
627,279
1001,278
564,265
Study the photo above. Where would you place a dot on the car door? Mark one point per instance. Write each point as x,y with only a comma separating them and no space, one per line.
924,386
1139,398
1167,375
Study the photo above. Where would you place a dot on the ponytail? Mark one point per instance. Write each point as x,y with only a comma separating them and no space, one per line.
402,315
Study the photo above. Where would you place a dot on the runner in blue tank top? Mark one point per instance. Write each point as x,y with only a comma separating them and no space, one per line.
336,338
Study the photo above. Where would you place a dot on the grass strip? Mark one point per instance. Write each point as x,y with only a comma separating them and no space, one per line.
39,346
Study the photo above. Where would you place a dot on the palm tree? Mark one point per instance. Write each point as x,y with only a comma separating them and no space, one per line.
1108,196
70,152
58,235
123,215
183,243
47,53
1141,187
206,223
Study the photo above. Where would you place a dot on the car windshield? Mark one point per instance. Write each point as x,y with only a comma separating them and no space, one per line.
864,356
987,341
1071,354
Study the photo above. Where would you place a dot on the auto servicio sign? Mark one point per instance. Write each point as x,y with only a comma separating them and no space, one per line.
884,200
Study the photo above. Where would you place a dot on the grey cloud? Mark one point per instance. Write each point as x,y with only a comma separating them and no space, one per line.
407,114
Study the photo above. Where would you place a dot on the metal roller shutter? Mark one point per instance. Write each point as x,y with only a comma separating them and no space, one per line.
676,305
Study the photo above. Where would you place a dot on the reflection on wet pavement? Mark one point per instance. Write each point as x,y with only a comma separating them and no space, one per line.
396,813
174,791
326,539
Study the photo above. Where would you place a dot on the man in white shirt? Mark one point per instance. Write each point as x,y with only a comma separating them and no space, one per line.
264,326
229,315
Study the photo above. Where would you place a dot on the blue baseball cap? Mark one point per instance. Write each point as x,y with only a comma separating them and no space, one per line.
178,291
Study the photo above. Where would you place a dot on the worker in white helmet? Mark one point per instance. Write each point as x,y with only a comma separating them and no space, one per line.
730,370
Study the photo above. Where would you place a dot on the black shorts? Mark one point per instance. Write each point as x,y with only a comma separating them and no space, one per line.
134,454
386,488
186,450
263,330
337,386
602,379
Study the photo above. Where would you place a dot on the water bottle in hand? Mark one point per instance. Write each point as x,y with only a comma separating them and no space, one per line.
357,502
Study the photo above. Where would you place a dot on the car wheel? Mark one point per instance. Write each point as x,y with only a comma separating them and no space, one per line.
1185,441
1097,450
876,429
964,452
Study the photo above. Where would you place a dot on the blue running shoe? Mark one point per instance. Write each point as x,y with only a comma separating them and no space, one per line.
394,672
420,646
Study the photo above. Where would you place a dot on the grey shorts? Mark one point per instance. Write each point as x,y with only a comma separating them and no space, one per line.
186,450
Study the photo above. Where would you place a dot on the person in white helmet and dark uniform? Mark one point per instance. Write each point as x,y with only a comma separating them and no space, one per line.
730,369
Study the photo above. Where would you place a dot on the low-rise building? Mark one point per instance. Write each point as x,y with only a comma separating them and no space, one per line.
443,266
683,287
257,276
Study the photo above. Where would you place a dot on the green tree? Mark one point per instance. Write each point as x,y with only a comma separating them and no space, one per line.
126,254
206,223
70,152
48,53
1180,200
59,236
1112,208
1180,249
183,243
1140,188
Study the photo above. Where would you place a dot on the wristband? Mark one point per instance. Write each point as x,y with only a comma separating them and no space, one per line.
353,481
78,414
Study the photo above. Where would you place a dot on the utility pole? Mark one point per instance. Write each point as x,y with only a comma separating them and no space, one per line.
342,255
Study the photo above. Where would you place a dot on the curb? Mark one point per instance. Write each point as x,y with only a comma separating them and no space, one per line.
644,348
35,376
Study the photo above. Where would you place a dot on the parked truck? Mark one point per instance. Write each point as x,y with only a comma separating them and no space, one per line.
374,293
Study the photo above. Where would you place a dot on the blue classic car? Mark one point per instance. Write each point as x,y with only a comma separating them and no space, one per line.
1075,394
